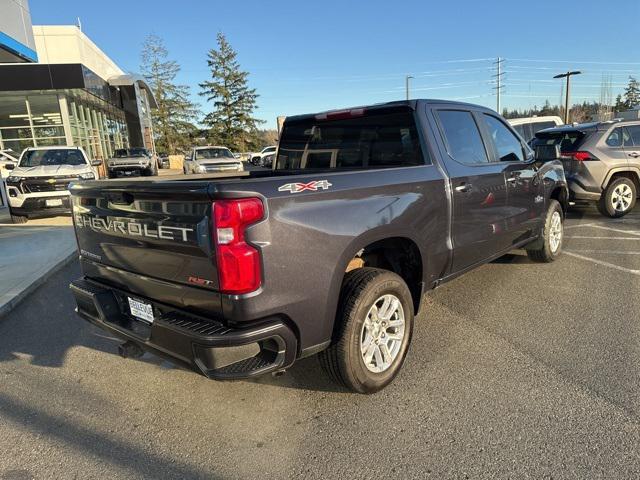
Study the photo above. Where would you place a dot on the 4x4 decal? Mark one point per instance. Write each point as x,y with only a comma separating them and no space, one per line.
311,186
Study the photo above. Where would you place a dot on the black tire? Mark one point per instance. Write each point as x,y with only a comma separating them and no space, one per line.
605,204
110,174
18,218
343,360
542,250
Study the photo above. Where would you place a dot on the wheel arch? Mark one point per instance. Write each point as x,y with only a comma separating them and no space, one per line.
561,194
398,252
632,173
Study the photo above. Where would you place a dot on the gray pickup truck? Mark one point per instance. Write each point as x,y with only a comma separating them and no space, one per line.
240,274
132,162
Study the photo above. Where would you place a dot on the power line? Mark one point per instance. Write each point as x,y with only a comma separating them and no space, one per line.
590,62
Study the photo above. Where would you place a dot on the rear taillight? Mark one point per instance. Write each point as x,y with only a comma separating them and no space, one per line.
580,156
239,265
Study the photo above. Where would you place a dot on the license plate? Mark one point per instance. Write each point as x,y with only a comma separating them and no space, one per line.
141,310
53,202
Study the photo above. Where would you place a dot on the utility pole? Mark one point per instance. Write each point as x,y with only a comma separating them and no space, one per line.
567,92
406,84
498,88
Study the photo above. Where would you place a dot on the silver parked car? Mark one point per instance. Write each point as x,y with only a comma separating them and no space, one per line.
211,159
601,162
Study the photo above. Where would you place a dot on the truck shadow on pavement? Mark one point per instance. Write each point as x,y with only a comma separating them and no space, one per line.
44,326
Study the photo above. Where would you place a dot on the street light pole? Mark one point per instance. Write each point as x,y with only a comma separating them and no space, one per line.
406,83
567,91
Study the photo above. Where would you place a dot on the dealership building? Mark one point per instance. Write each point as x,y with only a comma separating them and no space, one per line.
58,88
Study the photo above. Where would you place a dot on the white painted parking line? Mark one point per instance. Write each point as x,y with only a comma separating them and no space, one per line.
604,238
617,230
604,264
608,252
567,227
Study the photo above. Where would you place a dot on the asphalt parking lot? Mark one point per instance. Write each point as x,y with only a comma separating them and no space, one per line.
516,370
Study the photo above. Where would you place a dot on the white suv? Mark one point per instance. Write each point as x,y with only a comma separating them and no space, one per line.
38,185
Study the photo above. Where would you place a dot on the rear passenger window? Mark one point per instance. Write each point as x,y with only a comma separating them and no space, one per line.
508,147
355,139
634,132
461,133
620,137
615,138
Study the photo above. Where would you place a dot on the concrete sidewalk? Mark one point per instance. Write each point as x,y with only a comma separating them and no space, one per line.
29,254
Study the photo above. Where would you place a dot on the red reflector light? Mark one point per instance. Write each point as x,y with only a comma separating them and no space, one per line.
239,266
579,156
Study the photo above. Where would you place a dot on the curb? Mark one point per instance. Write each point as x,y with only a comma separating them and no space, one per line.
15,301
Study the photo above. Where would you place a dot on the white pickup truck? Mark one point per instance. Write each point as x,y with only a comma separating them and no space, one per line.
211,159
38,185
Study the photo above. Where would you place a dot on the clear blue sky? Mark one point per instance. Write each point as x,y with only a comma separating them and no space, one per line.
310,56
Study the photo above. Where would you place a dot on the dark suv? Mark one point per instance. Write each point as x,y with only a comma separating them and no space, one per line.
601,162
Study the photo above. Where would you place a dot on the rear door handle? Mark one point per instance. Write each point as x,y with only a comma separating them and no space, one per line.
634,155
512,179
463,187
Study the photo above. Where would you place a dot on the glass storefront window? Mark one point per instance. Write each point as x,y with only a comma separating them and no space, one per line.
45,110
18,132
47,132
30,119
13,111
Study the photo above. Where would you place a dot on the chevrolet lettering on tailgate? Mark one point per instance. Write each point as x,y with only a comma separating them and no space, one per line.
132,228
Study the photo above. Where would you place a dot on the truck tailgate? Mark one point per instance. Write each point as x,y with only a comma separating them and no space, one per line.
155,229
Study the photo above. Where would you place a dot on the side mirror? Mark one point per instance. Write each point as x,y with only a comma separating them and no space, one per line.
10,166
96,163
547,153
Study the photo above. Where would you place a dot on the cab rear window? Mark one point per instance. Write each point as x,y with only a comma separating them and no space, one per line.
364,140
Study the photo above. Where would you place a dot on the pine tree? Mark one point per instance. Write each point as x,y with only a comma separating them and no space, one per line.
174,117
632,93
231,123
619,106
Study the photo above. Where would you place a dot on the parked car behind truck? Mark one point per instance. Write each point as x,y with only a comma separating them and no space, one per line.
330,252
132,162
529,126
211,159
38,185
601,162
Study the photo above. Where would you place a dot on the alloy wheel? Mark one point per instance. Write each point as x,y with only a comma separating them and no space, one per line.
555,232
621,197
382,333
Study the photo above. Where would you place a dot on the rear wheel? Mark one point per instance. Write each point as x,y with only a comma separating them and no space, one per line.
548,247
373,330
619,198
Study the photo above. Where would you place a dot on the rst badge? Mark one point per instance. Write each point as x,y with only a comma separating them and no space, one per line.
311,186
